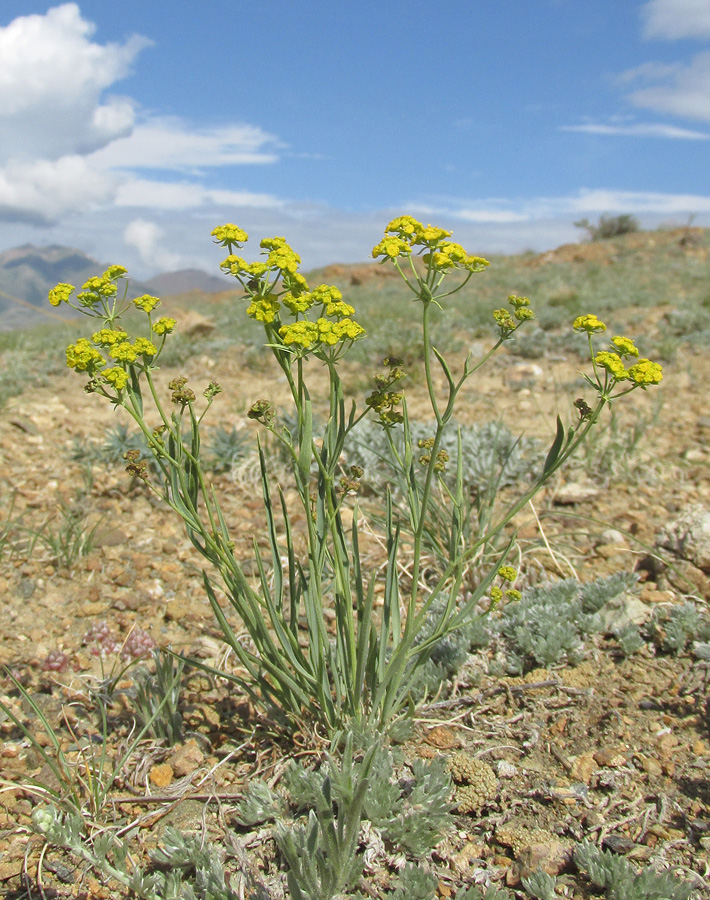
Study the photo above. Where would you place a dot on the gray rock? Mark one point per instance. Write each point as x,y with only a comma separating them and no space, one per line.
688,536
575,492
624,610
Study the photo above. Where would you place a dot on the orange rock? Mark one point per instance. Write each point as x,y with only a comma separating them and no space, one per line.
161,775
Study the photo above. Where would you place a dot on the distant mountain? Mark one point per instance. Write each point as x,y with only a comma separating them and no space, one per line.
188,280
28,273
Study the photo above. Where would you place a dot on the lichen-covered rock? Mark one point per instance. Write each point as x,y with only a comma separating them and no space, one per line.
518,836
477,783
688,536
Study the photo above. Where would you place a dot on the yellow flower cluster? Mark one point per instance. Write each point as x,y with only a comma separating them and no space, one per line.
646,372
146,303
589,324
82,357
229,234
85,355
164,325
107,337
100,287
144,347
235,265
61,294
263,309
289,289
625,346
307,334
116,377
281,255
508,573
324,295
391,248
122,350
507,322
613,363
642,373
404,233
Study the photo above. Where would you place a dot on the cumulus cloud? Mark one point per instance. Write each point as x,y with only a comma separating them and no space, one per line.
67,146
51,80
41,191
147,237
673,19
682,90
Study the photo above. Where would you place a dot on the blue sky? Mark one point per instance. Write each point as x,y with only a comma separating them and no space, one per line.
129,130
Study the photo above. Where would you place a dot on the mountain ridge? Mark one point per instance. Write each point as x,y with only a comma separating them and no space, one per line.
29,272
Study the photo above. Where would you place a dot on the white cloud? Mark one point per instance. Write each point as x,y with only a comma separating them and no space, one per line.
653,130
686,91
66,146
146,237
501,216
652,202
169,143
673,19
41,191
584,202
51,80
141,192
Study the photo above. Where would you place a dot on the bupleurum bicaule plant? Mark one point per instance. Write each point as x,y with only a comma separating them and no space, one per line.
360,655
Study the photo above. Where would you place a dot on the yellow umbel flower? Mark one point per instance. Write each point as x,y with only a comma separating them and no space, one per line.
404,226
303,334
326,332
235,265
589,324
229,234
646,372
391,248
439,260
504,321
164,325
612,363
116,377
146,303
284,258
348,329
263,309
430,235
114,272
123,352
274,243
294,282
107,337
61,294
625,346
100,285
508,573
339,308
144,347
298,304
82,357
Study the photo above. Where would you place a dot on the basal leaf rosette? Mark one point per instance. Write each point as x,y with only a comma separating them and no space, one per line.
322,322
